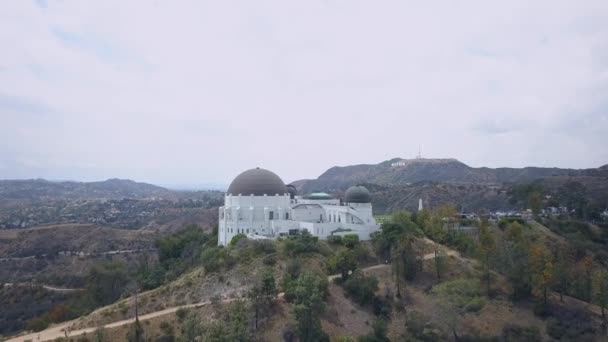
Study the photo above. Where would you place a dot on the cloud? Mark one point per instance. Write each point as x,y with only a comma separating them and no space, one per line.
500,124
21,105
195,92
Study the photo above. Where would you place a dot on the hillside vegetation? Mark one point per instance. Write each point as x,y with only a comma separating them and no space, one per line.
419,279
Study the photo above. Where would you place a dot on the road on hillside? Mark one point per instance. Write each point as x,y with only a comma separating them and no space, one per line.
46,287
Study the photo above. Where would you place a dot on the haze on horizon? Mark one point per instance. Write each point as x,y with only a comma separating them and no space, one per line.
194,92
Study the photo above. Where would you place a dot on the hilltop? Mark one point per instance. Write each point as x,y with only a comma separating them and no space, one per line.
399,171
398,184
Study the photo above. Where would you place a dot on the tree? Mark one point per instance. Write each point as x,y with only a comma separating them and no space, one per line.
515,260
601,292
563,273
543,277
441,262
398,265
136,333
233,325
573,195
107,281
344,262
378,333
584,278
487,246
309,304
263,295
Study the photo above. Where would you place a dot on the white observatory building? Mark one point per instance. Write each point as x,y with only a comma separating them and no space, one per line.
259,205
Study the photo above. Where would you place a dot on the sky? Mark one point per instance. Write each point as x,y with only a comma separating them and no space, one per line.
194,92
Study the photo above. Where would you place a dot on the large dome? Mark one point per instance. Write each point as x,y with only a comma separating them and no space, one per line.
257,182
357,194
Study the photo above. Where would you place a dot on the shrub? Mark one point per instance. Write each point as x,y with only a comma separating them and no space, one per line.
378,333
420,326
475,304
235,240
382,308
506,221
37,324
518,333
350,240
181,313
334,239
166,328
301,244
461,293
360,288
270,260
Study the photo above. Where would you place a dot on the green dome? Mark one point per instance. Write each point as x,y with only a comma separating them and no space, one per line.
318,196
358,194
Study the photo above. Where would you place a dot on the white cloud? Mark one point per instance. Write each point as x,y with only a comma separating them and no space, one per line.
192,91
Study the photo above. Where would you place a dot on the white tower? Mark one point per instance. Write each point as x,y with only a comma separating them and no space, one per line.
420,204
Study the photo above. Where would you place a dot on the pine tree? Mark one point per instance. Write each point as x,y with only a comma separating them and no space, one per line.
487,247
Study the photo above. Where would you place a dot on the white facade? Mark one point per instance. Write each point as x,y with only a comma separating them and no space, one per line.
279,215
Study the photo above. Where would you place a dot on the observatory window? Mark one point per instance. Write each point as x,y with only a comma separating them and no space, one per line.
271,215
339,219
321,217
287,216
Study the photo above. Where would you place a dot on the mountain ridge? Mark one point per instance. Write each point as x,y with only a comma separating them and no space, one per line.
399,171
113,188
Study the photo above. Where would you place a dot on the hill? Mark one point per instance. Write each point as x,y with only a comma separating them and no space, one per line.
40,189
465,197
405,171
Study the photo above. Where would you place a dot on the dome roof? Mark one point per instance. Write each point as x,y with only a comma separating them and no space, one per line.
257,182
357,194
318,196
292,190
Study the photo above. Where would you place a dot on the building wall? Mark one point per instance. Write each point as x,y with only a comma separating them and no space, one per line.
273,216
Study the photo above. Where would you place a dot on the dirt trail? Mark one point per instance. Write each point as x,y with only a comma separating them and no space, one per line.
46,287
57,331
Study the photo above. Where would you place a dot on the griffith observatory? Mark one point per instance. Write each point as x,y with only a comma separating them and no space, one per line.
259,205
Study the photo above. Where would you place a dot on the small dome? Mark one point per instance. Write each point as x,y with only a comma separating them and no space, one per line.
292,191
257,182
318,196
357,194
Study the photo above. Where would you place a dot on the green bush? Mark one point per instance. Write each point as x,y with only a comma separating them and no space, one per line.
475,304
238,237
301,244
506,221
350,240
361,288
461,293
334,239
38,324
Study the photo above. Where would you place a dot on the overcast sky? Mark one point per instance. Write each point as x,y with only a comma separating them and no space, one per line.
193,92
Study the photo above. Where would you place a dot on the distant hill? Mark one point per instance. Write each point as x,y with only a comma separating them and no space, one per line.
465,197
398,171
40,189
